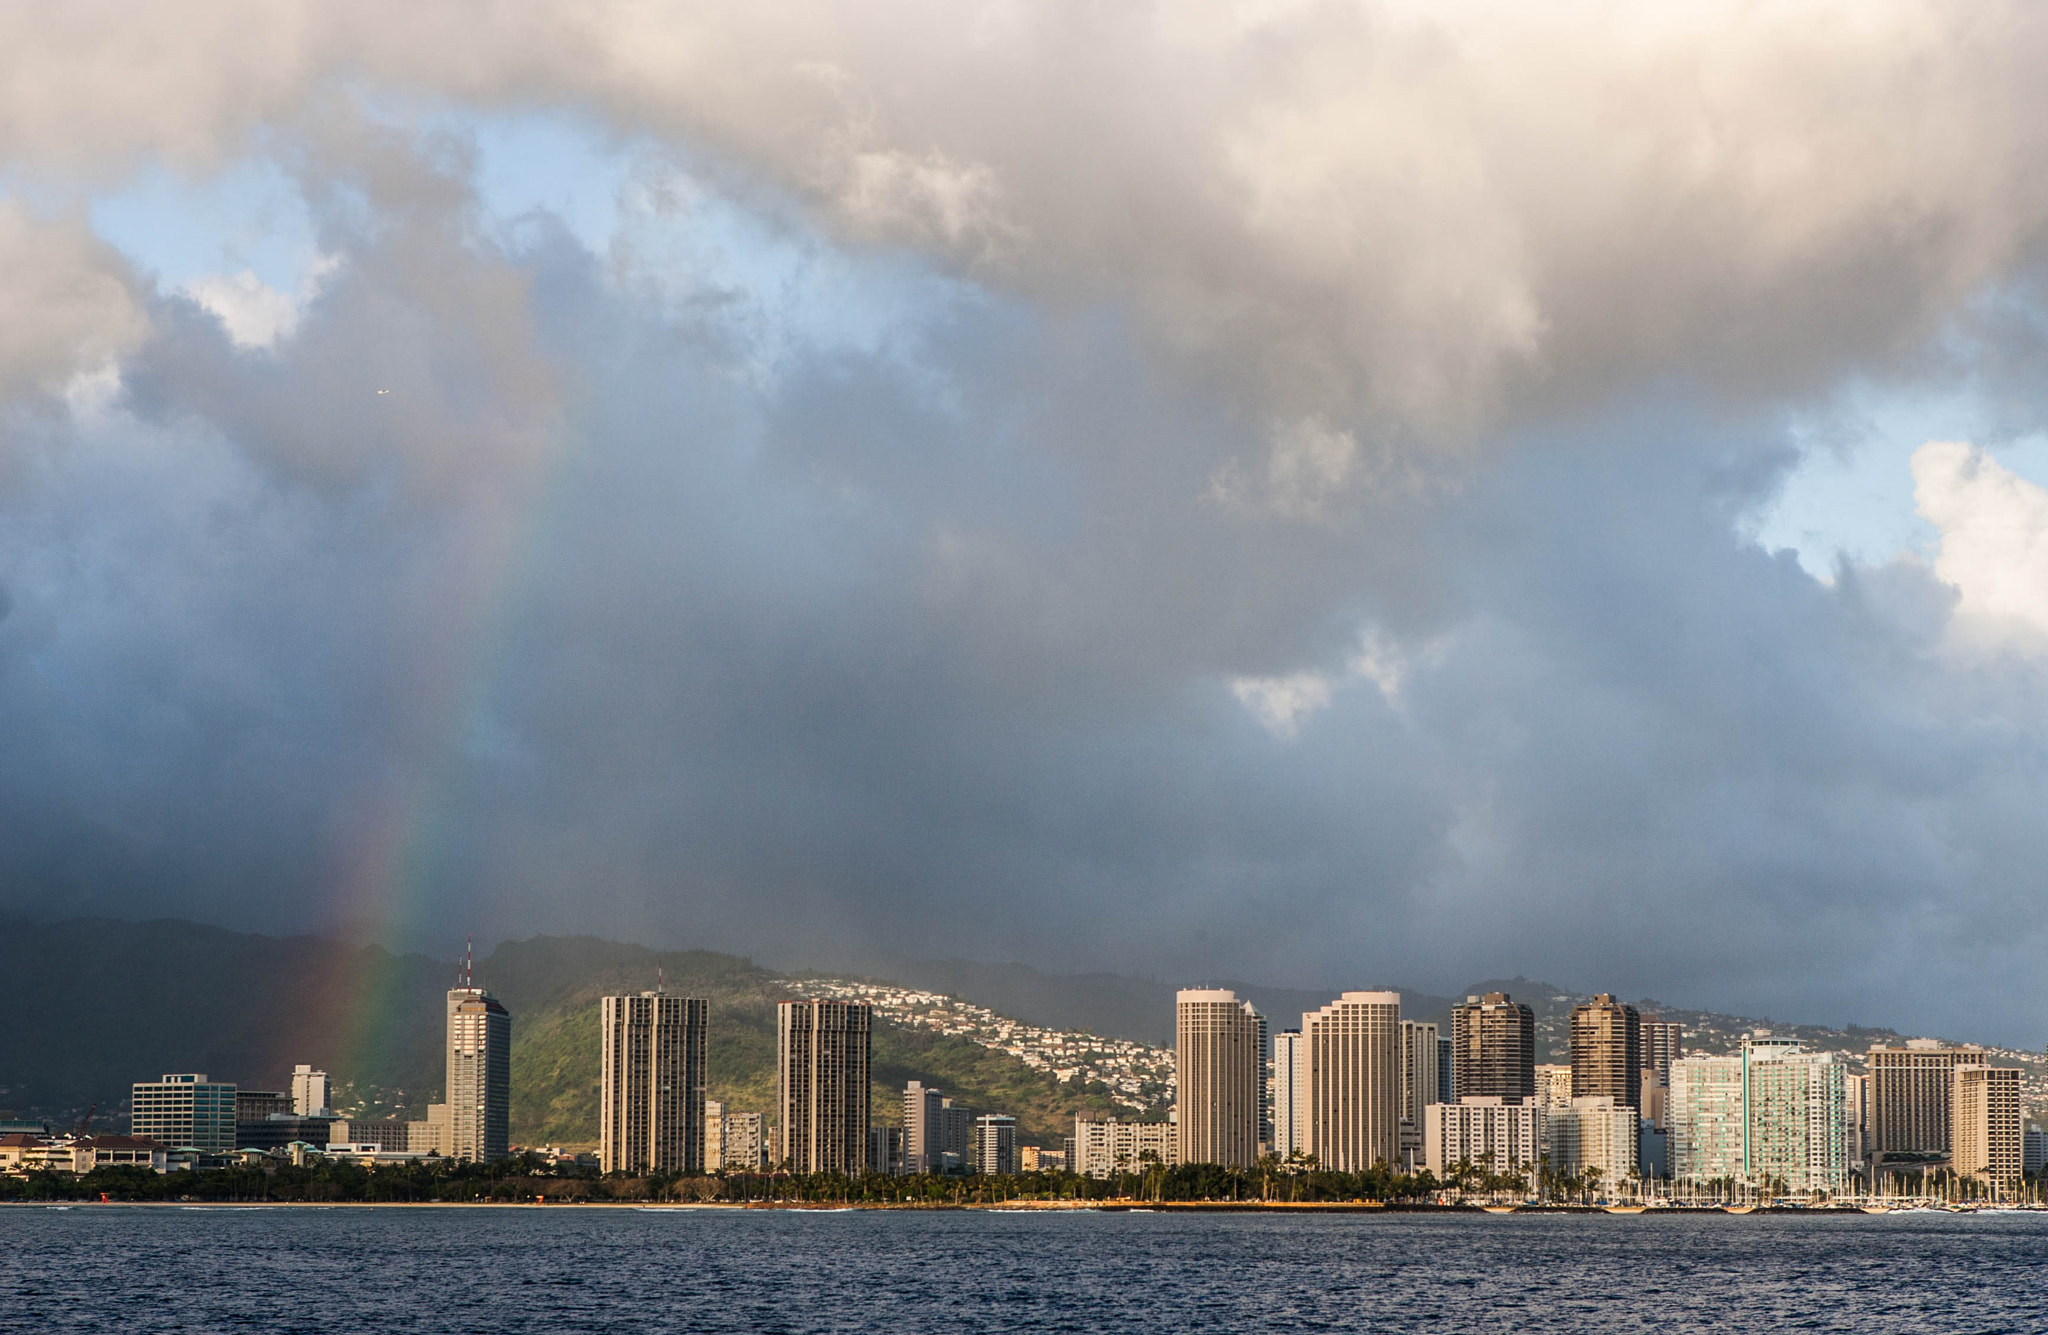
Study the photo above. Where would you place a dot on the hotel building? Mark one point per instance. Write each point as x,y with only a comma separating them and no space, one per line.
1220,1065
1286,1097
651,1090
1985,1123
1594,1132
1912,1094
1351,1081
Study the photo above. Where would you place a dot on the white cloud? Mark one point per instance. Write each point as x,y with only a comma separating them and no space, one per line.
1280,703
1436,216
255,314
1994,537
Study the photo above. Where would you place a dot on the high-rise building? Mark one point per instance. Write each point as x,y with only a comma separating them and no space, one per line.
937,1134
1446,1071
185,1112
1795,1118
1494,1038
1351,1081
995,1144
1220,1069
1663,1044
1856,1113
1286,1092
651,1087
822,1085
1985,1123
2033,1150
310,1096
1912,1092
1418,1086
1706,1119
1419,1072
479,1074
1592,1131
1484,1131
1607,1051
1109,1146
1553,1092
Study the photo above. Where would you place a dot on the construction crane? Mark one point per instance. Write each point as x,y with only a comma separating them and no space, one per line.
86,1120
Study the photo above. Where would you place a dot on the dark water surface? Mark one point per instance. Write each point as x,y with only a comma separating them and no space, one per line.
496,1272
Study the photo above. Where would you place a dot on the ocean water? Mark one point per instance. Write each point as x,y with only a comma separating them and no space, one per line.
312,1271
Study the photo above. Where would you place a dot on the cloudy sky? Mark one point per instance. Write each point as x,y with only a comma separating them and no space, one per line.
1314,492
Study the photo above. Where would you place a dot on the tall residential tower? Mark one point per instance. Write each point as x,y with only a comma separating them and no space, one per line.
1494,1042
822,1085
652,1067
1607,1052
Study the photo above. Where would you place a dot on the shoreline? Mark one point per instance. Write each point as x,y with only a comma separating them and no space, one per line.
1298,1208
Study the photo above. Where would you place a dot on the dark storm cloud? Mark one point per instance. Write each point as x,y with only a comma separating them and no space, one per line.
1306,544
936,643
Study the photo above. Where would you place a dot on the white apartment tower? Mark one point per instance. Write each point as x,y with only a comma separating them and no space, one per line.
651,1090
309,1092
1351,1081
1706,1123
1220,1068
1485,1131
1286,1096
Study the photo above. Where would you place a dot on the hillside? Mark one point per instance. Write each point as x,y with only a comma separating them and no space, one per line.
94,1005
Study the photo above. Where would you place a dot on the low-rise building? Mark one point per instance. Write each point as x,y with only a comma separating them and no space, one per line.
1035,1159
434,1135
385,1133
1489,1132
111,1151
1105,1147
885,1150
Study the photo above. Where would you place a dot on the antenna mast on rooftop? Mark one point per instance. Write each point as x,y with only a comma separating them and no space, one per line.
469,961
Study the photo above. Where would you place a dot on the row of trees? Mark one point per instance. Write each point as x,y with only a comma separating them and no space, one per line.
528,1178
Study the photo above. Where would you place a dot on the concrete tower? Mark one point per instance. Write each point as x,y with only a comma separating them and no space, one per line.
652,1068
822,1085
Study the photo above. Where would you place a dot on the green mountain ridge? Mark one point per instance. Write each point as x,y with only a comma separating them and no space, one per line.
94,1005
